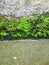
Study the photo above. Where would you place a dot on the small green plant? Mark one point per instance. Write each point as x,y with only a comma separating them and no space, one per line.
3,33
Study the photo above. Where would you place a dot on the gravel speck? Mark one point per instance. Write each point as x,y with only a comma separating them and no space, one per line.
14,58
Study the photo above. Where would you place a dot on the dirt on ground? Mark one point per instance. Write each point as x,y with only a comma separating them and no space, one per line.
24,52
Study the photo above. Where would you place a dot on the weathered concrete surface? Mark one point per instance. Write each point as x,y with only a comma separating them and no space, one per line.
23,7
24,52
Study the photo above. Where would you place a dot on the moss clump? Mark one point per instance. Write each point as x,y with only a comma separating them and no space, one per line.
33,26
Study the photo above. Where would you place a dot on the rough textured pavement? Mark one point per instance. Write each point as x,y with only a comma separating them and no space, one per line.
24,52
23,7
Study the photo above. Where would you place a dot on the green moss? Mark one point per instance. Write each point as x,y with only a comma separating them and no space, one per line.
36,25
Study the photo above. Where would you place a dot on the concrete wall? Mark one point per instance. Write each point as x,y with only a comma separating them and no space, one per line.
23,7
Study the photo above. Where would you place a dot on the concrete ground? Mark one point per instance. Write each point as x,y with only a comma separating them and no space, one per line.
23,7
24,52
